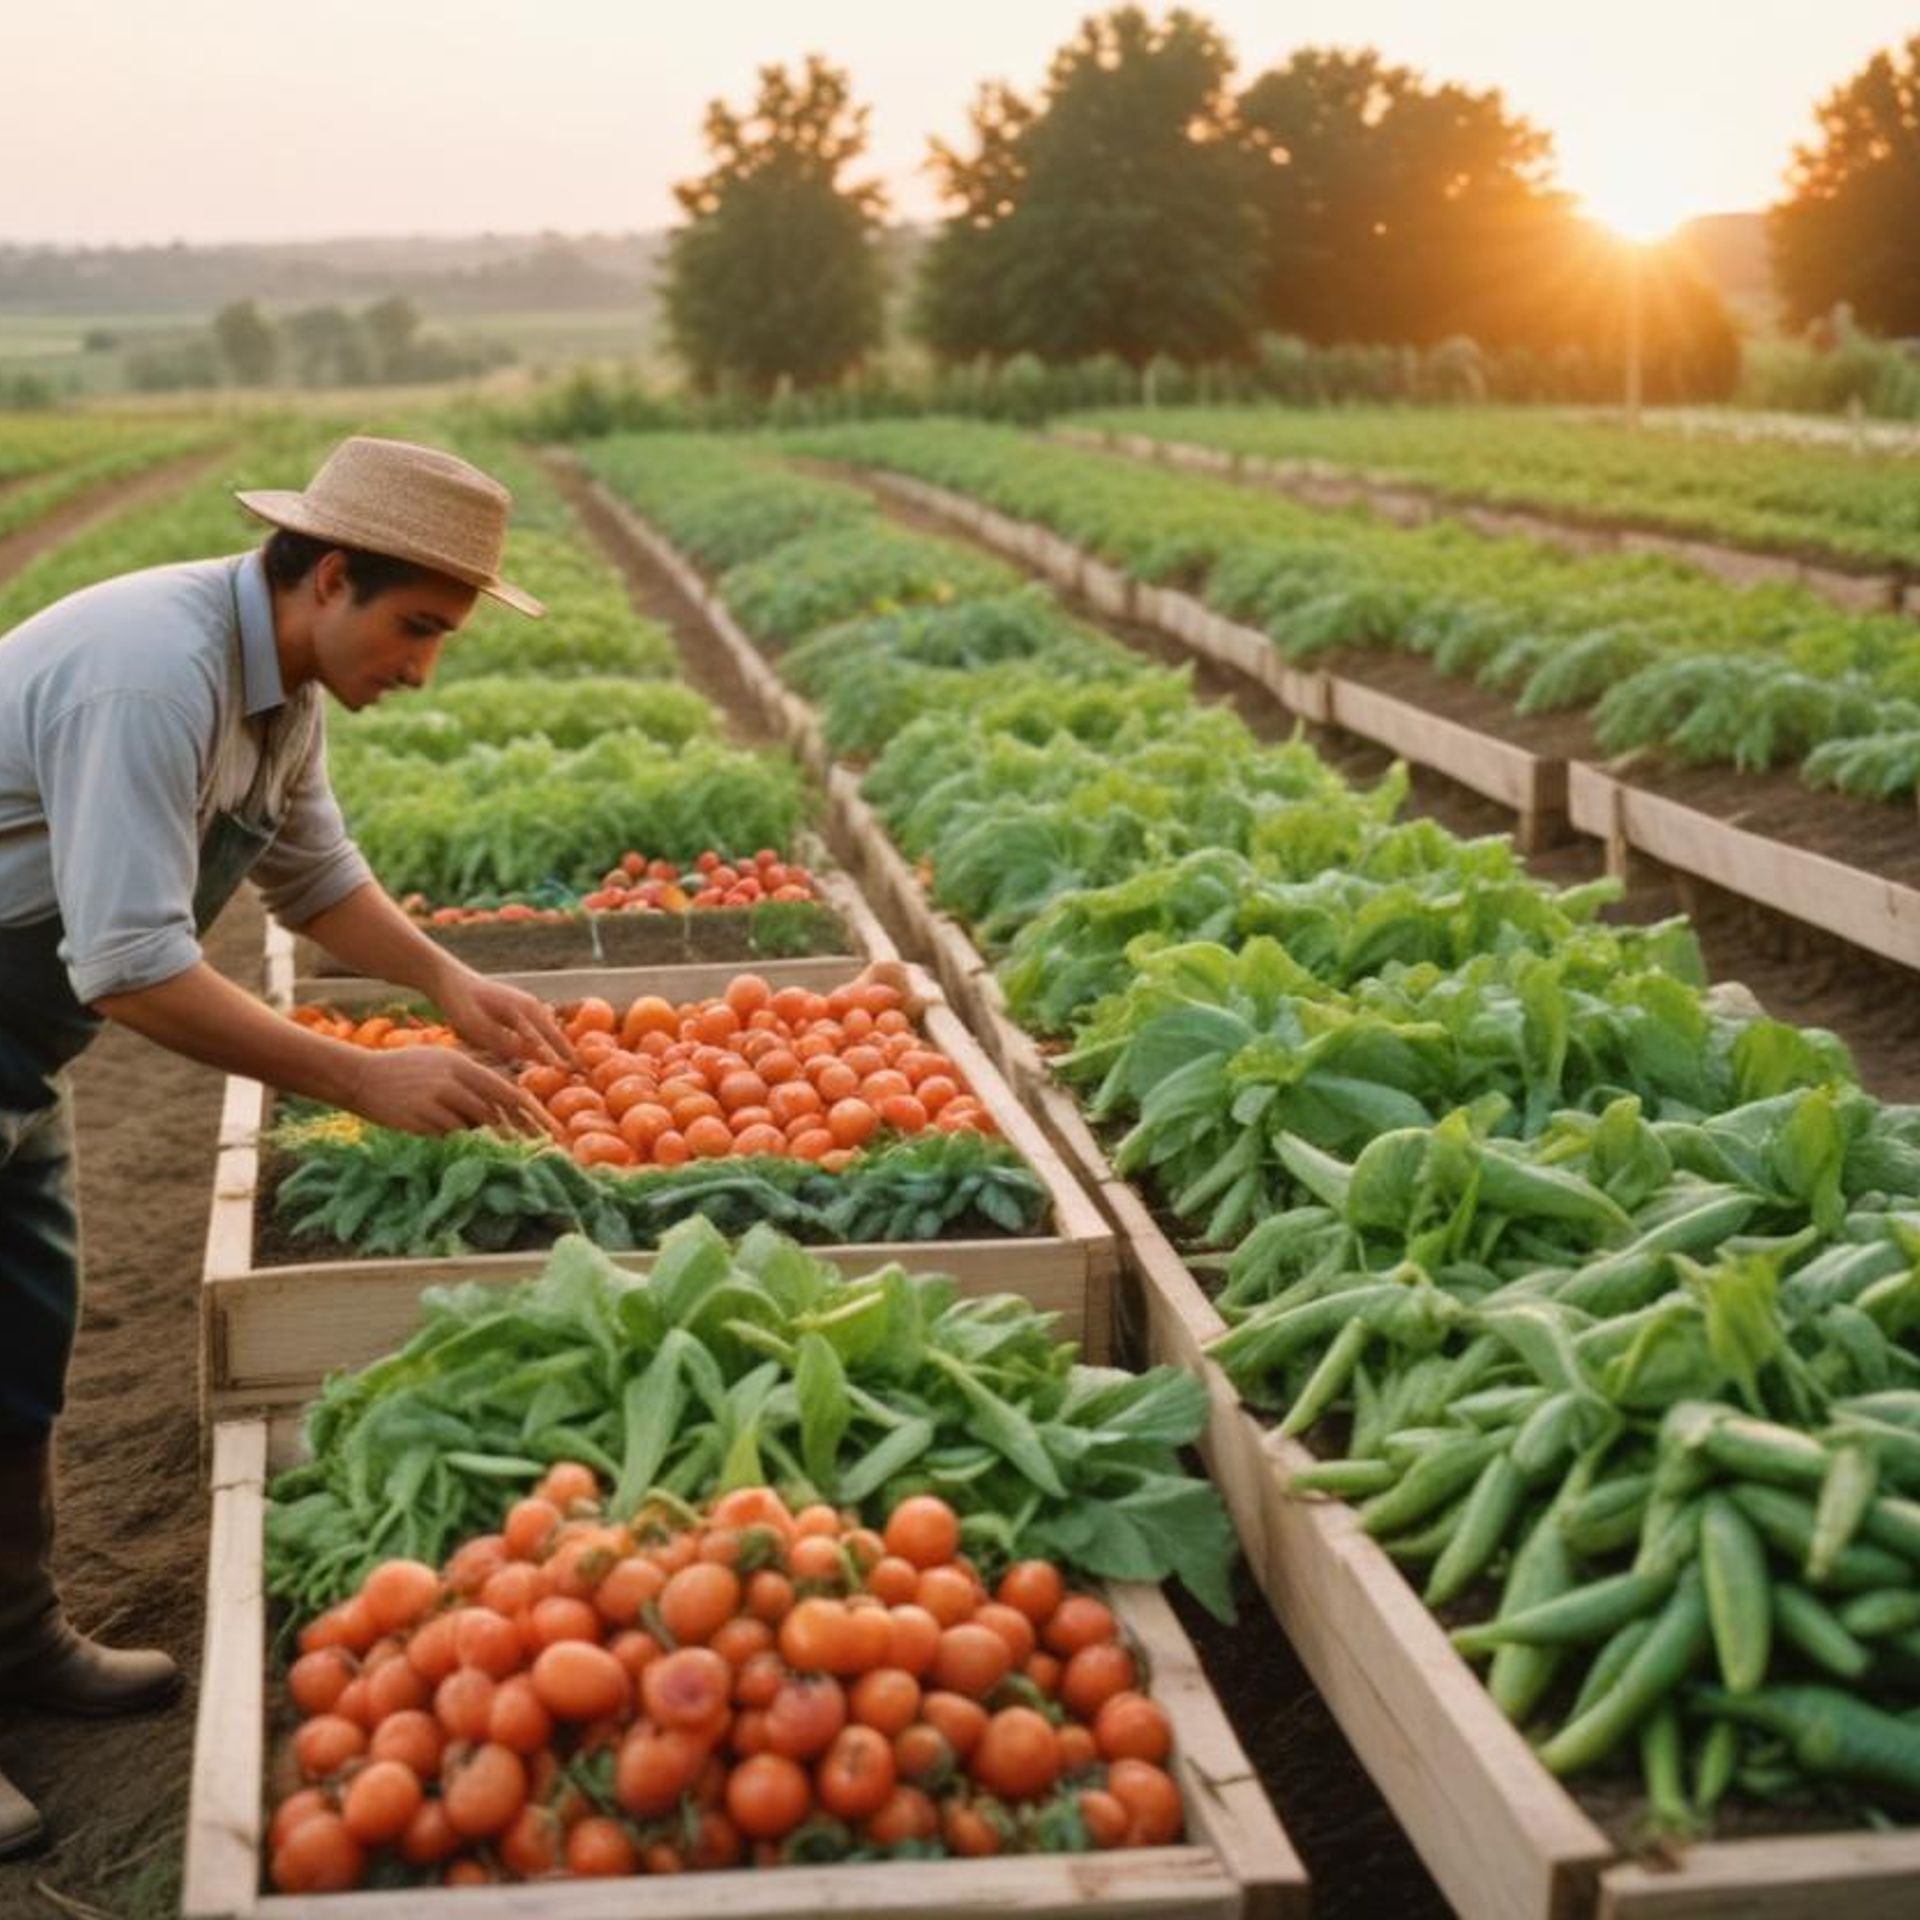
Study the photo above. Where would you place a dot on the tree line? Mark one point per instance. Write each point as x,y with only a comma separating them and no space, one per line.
1146,205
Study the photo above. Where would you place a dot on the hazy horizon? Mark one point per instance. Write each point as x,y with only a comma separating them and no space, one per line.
215,122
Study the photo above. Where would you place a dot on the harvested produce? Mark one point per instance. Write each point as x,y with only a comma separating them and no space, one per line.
729,1364
637,884
397,1028
750,1071
601,1687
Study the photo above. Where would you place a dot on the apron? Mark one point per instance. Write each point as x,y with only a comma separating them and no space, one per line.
43,1029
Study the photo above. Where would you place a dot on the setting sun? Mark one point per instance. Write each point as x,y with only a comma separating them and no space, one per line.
1640,204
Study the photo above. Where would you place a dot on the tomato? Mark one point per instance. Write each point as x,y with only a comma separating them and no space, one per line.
752,1507
326,1743
1017,1757
813,1637
319,1856
655,1767
906,1815
851,1122
296,1807
648,1014
972,1659
1079,1621
592,1015
529,1526
913,1638
768,1796
429,1837
856,1775
413,1738
317,1680
740,1638
598,1847
923,1756
900,1111
561,1617
575,1681
473,1564
716,1841
1093,1676
1104,1818
1129,1726
486,1792
1044,1671
893,1580
818,1518
463,1704
698,1600
1078,1748
534,1844
1011,1625
967,1831
947,1594
687,1688
769,1596
635,1650
816,1557
1151,1799
486,1641
392,1688
963,1721
887,1698
512,1591
804,1716
628,1586
571,1102
380,1801
760,1677
398,1593
347,1625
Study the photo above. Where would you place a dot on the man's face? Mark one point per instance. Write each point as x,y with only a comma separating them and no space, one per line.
364,649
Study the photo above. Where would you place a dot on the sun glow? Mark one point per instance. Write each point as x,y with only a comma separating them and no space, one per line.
1639,205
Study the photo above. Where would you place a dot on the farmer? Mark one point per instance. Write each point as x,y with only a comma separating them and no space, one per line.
161,739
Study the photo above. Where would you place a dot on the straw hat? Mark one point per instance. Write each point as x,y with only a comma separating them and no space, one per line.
408,502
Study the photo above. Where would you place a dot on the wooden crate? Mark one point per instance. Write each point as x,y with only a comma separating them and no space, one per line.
1866,908
270,1334
1236,1861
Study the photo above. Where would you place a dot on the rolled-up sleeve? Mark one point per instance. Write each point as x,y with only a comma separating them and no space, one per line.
118,779
311,864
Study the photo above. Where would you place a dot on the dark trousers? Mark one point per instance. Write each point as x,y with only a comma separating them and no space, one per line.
39,1244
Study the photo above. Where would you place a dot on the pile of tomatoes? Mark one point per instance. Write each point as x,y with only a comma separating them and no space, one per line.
636,884
383,1030
808,1075
571,1695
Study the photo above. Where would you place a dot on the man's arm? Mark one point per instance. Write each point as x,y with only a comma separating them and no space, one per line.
367,932
202,1014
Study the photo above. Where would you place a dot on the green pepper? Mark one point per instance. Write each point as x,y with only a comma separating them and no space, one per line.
1490,1512
1787,1524
1542,1570
1579,1618
1845,1494
1809,1625
1714,1760
1832,1734
1430,1482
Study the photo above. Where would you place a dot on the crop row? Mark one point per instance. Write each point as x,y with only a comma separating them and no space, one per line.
1753,493
1664,657
1599,1289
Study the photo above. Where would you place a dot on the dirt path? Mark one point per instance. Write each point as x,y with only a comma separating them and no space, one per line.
100,503
133,1513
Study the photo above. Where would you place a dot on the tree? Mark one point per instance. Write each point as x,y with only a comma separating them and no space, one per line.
246,342
1394,210
1849,228
1114,217
776,274
390,329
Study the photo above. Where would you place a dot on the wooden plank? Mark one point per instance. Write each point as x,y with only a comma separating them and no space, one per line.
1865,1876
224,1826
1159,1883
269,1335
1527,782
1868,909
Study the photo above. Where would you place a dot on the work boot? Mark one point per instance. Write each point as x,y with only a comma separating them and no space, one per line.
44,1661
21,1827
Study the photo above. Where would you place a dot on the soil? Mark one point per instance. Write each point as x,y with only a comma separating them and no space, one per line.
133,1513
87,509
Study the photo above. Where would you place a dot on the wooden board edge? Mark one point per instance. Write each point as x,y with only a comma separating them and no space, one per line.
224,1824
1871,1876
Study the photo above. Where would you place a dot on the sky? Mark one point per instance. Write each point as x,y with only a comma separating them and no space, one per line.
129,121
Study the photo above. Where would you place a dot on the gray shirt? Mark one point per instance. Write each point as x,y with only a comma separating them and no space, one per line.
130,713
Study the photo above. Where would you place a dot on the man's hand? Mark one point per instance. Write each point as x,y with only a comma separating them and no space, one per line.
440,1090
502,1020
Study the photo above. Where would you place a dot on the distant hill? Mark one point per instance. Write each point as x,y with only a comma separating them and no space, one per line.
1729,250
488,273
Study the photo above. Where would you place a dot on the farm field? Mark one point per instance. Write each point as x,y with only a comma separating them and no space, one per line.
1572,1282
1827,500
